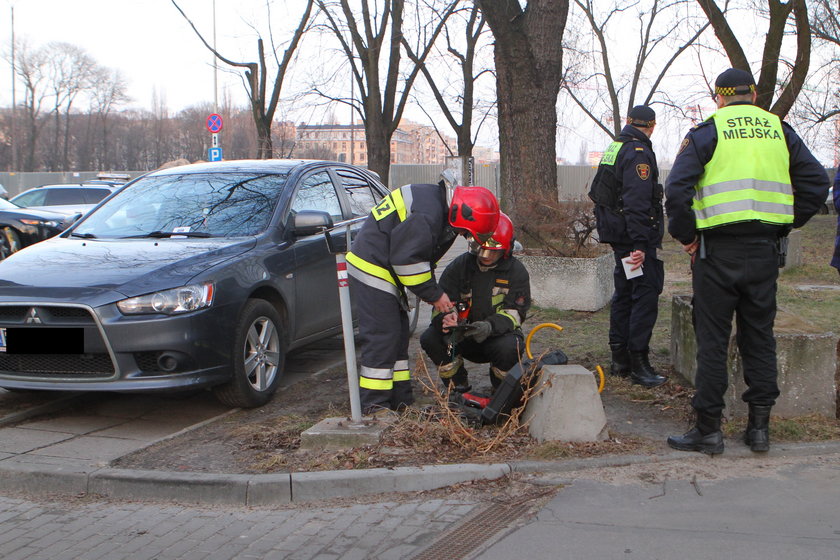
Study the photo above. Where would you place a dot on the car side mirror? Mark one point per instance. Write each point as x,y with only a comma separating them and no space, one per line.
311,222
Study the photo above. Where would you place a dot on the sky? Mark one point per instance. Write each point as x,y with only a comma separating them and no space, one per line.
147,40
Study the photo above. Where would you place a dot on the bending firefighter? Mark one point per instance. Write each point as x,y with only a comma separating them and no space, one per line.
493,293
397,247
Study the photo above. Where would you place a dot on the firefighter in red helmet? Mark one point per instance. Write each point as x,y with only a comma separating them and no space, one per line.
492,289
397,248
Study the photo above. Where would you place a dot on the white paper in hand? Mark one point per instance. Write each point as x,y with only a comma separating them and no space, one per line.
627,266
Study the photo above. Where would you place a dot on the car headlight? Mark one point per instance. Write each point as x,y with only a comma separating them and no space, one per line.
48,223
170,302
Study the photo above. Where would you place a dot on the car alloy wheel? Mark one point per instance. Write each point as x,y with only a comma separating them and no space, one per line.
258,356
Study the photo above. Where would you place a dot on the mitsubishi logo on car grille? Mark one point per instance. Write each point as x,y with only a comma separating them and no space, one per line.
32,317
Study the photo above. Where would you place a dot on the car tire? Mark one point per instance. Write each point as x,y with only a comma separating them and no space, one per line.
258,357
9,242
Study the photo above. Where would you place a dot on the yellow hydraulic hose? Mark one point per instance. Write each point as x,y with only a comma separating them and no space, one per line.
559,328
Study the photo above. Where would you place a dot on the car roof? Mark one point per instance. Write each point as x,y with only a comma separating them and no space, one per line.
249,165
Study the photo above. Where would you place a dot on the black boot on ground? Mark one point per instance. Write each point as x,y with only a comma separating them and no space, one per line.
458,383
620,365
642,373
757,434
704,437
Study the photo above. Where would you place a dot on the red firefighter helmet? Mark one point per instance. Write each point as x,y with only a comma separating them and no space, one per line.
502,239
476,210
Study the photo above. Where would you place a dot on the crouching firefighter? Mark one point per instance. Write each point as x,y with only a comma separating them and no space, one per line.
493,289
397,248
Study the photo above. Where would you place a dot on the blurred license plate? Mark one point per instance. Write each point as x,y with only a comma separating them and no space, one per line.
41,340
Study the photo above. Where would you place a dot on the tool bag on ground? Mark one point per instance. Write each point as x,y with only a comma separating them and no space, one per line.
509,393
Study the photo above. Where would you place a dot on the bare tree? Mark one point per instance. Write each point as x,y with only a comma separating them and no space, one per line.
528,53
70,72
596,80
108,90
470,22
363,39
796,71
31,68
256,77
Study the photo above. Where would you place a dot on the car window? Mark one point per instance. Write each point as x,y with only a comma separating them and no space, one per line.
92,196
30,198
316,192
361,195
58,197
217,204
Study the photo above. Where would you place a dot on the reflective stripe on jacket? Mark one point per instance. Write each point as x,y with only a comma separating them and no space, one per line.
748,176
405,234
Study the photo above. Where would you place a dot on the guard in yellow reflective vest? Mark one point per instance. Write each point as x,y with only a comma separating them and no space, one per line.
740,181
397,248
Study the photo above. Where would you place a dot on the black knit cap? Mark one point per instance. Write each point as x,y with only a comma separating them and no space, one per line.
641,115
734,82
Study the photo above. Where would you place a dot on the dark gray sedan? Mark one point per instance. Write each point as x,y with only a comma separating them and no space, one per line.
197,276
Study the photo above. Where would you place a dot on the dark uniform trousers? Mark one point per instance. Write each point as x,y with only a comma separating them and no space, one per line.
501,351
738,275
383,338
635,302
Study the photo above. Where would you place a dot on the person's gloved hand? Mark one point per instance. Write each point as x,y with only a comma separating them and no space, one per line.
479,331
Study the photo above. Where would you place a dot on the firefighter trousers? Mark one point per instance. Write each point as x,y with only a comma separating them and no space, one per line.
737,276
384,377
501,352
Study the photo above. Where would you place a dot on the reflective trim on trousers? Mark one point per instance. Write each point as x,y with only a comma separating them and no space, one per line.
372,281
376,384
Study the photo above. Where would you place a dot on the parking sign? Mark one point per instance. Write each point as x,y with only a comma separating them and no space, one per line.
214,154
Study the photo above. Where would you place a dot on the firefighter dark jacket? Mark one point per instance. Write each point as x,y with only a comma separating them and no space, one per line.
635,222
402,238
500,295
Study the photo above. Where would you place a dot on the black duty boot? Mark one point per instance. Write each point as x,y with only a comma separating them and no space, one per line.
757,434
620,366
704,437
642,373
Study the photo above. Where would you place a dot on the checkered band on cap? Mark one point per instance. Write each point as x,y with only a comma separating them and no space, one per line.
729,91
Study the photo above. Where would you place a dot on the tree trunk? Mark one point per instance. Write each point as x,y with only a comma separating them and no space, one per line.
265,148
378,147
528,54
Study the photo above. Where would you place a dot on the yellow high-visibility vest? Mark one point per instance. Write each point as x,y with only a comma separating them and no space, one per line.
748,177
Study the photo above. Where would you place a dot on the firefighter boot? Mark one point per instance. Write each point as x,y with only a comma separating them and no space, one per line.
757,434
454,376
642,373
496,377
620,366
704,437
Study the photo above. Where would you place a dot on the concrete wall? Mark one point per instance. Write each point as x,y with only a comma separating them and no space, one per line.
807,363
570,283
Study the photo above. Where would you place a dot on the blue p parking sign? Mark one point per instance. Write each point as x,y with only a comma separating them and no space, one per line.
214,154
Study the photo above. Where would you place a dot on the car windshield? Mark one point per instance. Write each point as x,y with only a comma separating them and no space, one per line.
194,205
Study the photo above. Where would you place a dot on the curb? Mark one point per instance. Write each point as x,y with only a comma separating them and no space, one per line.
288,488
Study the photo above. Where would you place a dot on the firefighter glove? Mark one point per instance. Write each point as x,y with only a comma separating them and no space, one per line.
479,331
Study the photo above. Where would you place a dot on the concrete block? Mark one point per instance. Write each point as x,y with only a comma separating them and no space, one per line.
794,250
40,476
187,487
567,406
333,484
570,283
807,363
333,434
270,489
